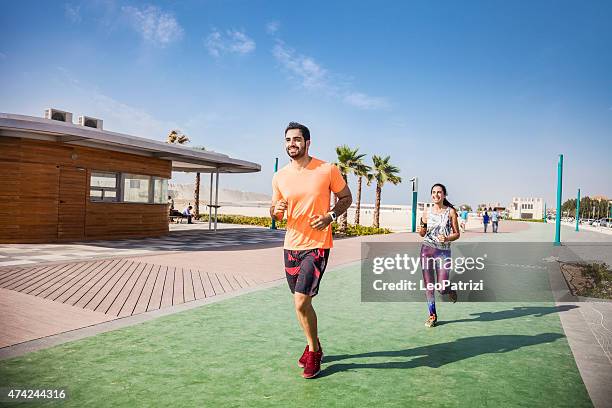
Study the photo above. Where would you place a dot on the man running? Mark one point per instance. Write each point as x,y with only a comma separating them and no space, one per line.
303,189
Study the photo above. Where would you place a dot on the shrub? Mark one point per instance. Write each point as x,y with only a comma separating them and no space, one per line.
524,219
351,231
246,220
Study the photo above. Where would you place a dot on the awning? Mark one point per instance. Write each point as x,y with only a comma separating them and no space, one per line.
183,158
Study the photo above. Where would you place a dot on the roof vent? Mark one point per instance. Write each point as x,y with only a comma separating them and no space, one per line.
56,114
90,122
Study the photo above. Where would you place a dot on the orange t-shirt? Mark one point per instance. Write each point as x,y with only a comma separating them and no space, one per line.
307,192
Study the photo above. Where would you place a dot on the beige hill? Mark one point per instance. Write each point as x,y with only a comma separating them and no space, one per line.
184,192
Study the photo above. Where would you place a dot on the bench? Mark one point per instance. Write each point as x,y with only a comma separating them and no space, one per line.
177,218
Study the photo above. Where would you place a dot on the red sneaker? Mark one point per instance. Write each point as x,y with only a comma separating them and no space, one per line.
302,360
313,364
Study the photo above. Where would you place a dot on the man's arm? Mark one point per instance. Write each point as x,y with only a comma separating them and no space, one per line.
345,199
277,210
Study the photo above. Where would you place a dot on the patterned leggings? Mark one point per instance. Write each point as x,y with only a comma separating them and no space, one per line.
433,262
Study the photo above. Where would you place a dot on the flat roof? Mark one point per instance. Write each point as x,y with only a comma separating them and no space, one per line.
183,158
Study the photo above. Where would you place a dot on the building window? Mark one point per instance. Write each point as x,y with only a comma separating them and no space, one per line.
103,186
160,190
136,188
127,188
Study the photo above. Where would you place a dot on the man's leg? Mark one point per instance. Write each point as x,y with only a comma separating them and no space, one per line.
308,319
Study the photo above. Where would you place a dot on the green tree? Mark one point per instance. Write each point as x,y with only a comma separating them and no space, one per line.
361,170
196,192
347,160
383,172
589,208
177,137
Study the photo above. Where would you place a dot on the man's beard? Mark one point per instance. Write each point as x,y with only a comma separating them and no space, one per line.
298,154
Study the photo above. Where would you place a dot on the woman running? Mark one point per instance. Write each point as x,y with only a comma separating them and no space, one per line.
440,228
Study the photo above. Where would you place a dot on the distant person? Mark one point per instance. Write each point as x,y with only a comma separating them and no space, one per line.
495,220
172,211
187,213
485,220
303,189
439,227
464,219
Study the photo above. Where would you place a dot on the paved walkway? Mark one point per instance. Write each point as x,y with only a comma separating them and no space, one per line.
183,237
77,294
106,287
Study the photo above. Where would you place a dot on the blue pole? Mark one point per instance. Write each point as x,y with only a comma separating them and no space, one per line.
273,226
559,193
544,215
578,210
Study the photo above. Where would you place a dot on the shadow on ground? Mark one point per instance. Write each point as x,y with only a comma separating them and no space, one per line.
437,355
520,311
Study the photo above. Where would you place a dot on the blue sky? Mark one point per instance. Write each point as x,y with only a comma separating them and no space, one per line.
481,96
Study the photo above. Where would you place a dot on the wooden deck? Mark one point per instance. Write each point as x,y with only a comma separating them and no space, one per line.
119,287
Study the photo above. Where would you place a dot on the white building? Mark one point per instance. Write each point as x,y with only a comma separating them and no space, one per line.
526,208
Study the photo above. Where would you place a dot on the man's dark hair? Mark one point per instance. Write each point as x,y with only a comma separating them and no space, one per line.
303,129
190,207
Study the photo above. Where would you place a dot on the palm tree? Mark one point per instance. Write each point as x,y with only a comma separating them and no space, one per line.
347,159
383,172
196,192
361,170
177,137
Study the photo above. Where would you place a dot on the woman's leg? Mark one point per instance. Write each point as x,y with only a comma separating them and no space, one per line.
443,275
428,267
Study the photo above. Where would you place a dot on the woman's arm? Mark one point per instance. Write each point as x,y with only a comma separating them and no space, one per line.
422,230
454,225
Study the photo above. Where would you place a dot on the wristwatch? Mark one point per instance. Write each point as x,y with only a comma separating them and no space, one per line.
332,215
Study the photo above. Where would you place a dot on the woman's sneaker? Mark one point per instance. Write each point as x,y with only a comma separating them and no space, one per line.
302,360
431,321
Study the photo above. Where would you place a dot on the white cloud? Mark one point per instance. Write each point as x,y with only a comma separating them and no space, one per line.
232,42
272,27
153,24
128,119
118,117
72,13
363,101
312,76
